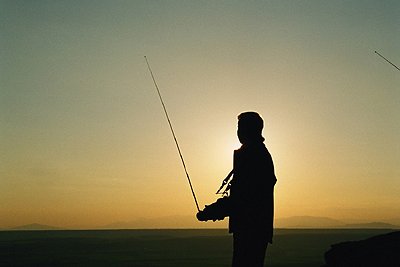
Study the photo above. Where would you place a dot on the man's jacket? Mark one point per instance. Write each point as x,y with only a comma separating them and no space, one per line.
251,192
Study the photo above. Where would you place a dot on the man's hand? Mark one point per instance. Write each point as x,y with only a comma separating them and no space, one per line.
202,216
215,211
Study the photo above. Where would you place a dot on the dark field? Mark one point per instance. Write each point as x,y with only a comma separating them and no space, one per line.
167,248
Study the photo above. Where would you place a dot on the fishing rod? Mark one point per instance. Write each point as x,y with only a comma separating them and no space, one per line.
173,133
387,60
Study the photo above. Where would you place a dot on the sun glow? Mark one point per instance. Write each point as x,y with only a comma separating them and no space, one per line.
91,145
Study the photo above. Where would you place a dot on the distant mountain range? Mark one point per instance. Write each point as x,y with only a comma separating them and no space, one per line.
165,222
34,226
183,222
307,222
373,225
289,222
325,222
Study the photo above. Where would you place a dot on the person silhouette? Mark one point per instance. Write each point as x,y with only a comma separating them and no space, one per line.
250,205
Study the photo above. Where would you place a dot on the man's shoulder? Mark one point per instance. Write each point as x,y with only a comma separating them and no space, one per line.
256,148
258,153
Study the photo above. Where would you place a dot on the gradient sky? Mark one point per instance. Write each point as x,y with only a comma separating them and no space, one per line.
84,141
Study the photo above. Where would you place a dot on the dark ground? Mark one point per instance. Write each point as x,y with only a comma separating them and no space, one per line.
166,248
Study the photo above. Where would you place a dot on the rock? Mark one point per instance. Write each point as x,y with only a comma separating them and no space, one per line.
381,250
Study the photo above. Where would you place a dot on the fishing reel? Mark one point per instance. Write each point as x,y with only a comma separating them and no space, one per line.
220,209
216,211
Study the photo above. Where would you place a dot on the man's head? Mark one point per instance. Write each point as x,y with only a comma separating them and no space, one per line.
250,126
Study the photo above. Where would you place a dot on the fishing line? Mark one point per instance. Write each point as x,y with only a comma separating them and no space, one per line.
173,133
387,60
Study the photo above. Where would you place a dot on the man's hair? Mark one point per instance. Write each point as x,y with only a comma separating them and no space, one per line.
251,121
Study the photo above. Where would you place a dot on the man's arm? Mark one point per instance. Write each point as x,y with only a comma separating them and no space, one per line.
216,211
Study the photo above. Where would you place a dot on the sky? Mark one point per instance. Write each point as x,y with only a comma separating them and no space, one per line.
84,140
